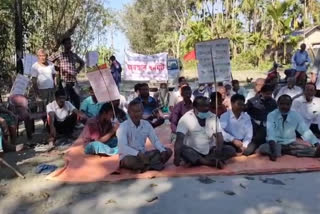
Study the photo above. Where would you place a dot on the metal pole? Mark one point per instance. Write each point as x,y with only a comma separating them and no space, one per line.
18,35
216,88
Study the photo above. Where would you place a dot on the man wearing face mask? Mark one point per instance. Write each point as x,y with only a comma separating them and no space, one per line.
309,108
199,138
282,125
258,109
201,91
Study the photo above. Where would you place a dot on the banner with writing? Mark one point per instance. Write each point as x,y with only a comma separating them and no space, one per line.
219,49
28,61
140,67
103,85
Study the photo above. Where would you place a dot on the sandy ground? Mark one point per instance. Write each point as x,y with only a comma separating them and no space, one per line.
292,193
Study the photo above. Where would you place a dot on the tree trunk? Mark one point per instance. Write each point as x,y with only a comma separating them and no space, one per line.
19,35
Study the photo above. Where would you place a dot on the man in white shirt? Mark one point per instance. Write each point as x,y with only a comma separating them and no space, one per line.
62,116
309,108
236,125
300,62
43,79
176,94
199,138
290,89
132,135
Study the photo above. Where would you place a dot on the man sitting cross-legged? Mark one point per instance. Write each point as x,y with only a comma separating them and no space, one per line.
62,116
282,125
132,135
199,138
100,132
90,106
150,106
236,124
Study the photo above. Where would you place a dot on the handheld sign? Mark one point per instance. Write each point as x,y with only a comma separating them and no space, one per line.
103,85
92,58
28,61
20,85
216,53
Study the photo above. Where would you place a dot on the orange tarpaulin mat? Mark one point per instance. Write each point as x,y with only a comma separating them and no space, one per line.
89,168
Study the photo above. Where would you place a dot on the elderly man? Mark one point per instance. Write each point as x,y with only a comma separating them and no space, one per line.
43,79
282,125
132,135
199,138
309,108
68,71
300,62
290,89
256,88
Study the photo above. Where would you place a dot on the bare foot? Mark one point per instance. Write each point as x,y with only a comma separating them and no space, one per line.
19,147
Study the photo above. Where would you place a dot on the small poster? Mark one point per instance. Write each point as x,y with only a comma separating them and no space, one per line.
103,85
92,58
219,49
20,85
28,61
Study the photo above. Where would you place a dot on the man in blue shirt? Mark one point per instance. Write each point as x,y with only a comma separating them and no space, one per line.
90,106
150,106
282,125
300,62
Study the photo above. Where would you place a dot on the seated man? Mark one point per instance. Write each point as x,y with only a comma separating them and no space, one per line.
90,106
199,138
202,90
19,105
120,114
290,89
221,108
237,89
282,125
181,108
135,94
256,88
176,94
258,109
150,106
309,108
132,135
100,132
225,98
163,97
236,125
62,116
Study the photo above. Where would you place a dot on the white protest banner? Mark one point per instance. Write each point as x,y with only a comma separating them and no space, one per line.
103,85
20,85
28,61
92,58
220,49
146,67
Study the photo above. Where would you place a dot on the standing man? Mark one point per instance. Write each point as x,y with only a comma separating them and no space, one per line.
43,79
67,62
115,70
300,62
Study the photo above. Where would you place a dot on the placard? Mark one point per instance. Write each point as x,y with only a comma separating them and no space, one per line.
103,85
28,61
20,85
140,67
92,58
220,60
